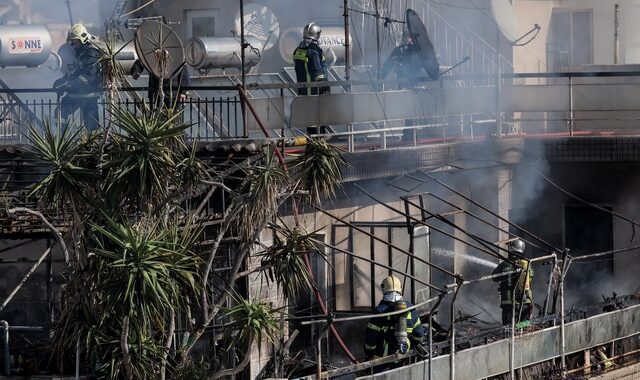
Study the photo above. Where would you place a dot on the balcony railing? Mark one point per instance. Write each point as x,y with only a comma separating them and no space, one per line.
451,109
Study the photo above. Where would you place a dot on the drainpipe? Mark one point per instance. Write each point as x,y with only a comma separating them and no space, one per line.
7,364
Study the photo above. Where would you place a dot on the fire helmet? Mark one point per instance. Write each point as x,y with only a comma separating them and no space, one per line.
517,246
312,31
391,284
79,32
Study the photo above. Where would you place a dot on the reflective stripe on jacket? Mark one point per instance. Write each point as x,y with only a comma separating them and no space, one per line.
380,340
310,65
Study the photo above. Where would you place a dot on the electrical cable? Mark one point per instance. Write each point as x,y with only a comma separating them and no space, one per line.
593,205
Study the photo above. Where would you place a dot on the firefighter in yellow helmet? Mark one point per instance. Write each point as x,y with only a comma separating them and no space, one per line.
81,85
515,287
392,334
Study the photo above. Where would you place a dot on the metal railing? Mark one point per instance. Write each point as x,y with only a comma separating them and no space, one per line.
590,103
207,118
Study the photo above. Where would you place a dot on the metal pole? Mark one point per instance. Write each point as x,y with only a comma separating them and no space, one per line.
512,341
616,34
26,277
430,345
551,272
452,356
78,359
243,46
7,363
347,44
565,268
571,125
377,19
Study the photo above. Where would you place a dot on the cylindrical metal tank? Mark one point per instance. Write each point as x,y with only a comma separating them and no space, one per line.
331,41
24,45
222,52
126,56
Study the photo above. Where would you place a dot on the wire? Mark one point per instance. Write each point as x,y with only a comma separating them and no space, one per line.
566,192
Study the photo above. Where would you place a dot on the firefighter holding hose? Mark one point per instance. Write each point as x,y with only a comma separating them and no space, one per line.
515,289
387,335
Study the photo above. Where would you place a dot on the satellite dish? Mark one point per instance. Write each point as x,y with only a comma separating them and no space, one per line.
260,22
506,18
420,37
159,49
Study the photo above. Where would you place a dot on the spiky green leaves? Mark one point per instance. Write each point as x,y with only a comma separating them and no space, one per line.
146,151
64,152
284,259
148,269
262,189
319,169
253,319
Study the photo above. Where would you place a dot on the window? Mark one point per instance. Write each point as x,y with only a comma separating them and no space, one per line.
570,40
202,22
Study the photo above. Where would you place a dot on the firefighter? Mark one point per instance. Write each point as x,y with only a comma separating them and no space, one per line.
81,85
515,287
404,61
311,67
392,334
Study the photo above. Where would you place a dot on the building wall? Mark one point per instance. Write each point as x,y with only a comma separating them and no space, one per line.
532,58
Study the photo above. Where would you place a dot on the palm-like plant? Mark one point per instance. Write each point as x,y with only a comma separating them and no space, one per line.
252,320
147,269
319,169
283,261
262,189
143,160
63,152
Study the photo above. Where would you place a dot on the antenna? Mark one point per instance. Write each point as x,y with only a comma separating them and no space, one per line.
420,38
159,49
113,24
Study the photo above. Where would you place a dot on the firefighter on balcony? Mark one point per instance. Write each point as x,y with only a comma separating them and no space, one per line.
388,335
310,66
515,289
404,61
81,85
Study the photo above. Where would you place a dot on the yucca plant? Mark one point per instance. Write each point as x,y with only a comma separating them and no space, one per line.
147,270
63,152
249,320
319,169
144,157
261,189
283,261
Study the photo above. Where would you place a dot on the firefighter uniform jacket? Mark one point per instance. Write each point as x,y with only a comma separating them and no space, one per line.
380,340
310,66
516,285
84,79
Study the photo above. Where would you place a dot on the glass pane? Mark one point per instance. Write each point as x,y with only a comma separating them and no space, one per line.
204,26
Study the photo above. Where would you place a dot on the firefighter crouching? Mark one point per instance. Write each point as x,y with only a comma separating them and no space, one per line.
81,85
392,334
516,286
310,66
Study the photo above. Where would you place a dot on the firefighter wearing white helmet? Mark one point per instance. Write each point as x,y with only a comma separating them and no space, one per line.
392,334
515,289
310,65
81,85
